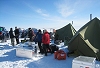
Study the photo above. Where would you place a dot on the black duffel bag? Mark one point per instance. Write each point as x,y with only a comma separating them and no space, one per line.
54,47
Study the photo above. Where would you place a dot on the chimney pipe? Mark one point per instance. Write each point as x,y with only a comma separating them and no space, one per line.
72,22
90,17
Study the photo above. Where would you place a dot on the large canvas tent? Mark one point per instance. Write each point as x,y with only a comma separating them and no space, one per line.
87,40
66,31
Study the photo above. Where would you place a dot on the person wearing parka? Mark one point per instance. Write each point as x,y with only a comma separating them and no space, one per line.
31,35
46,42
11,36
17,35
39,40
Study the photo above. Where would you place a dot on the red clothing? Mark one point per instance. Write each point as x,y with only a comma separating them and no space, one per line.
46,38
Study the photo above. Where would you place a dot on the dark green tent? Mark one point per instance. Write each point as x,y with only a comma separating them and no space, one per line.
87,40
67,31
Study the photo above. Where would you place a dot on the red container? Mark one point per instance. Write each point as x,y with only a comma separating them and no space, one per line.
55,55
58,53
61,56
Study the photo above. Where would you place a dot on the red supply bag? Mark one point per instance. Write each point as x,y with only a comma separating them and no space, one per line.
57,52
61,56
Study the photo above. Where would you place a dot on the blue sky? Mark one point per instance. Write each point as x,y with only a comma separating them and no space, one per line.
47,13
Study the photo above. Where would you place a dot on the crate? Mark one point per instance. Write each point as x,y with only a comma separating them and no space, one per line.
83,62
22,52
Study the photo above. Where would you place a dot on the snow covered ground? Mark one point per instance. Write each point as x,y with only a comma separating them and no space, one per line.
8,59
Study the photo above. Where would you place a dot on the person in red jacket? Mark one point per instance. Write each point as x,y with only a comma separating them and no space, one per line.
46,42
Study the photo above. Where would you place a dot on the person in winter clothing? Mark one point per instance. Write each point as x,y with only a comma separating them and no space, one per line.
31,34
17,34
46,42
39,40
11,36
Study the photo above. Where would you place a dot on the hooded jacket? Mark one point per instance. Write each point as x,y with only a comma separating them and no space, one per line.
11,34
46,38
39,37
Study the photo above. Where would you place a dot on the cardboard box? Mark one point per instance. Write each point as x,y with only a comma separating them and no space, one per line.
83,62
22,52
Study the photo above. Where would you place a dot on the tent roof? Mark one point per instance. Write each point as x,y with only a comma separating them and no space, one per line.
90,35
66,31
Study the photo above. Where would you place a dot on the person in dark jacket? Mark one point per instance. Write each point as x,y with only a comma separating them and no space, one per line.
46,42
17,34
39,40
31,34
11,36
